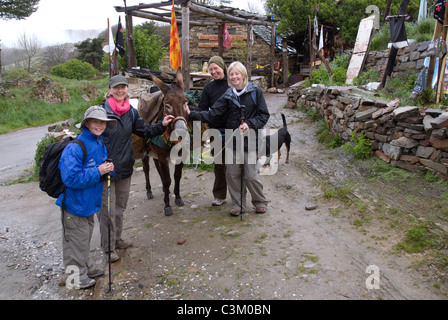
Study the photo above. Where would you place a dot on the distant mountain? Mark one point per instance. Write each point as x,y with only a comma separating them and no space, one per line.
74,36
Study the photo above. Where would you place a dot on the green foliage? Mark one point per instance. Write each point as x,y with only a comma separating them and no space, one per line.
338,66
419,32
293,14
41,145
360,146
17,9
366,77
23,111
74,69
149,50
326,137
17,73
91,51
417,239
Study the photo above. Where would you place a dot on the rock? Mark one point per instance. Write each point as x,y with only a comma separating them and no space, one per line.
181,241
311,207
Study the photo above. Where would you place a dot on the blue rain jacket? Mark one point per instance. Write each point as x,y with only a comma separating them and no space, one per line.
83,180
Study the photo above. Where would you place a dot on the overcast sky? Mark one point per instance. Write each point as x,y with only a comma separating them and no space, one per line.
53,17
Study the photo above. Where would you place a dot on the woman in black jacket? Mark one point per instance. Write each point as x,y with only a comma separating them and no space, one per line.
242,107
120,150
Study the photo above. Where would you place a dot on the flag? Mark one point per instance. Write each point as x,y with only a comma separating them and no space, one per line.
321,39
109,48
175,53
119,39
227,37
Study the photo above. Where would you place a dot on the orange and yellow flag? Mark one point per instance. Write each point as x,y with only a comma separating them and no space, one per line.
175,53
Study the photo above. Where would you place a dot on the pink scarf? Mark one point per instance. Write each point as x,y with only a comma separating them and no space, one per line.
118,108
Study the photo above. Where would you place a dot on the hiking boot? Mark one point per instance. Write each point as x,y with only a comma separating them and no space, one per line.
95,273
123,244
218,202
113,256
86,283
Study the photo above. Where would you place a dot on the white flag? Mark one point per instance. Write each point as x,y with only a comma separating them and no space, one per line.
109,48
321,39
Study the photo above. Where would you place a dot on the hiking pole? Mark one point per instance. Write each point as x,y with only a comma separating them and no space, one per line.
242,167
108,228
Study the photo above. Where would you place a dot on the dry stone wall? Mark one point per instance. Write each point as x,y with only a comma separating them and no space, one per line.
404,136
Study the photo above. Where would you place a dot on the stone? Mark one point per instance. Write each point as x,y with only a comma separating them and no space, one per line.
391,151
404,142
424,152
405,112
434,165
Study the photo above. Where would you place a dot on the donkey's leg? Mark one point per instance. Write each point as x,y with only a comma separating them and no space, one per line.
145,163
177,176
166,182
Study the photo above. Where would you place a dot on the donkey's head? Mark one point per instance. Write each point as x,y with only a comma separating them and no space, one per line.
174,100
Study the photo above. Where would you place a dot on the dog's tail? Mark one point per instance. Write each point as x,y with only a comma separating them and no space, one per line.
284,121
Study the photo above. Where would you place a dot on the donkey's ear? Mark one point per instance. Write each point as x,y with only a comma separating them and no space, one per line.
160,84
179,79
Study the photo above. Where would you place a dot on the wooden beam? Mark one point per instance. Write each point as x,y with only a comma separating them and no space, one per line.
131,55
272,55
224,16
185,45
432,59
152,16
285,62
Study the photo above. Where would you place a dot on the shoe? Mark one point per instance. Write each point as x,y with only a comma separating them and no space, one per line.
86,283
95,273
113,256
218,202
123,244
235,212
260,210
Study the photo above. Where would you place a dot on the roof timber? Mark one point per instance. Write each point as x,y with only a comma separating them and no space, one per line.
200,14
195,14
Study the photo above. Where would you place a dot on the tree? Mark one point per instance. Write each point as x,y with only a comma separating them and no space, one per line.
346,14
28,47
57,54
91,51
148,49
17,9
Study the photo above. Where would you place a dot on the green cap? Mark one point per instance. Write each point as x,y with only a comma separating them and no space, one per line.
219,61
116,80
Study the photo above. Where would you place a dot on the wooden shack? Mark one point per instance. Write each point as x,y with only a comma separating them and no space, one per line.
201,33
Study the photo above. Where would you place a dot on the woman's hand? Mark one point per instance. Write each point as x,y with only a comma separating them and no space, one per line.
167,120
244,127
106,167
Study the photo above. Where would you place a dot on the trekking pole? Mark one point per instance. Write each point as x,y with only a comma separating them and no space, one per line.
242,168
108,228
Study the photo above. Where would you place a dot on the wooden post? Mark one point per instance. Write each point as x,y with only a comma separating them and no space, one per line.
272,55
185,45
311,49
132,57
442,60
221,40
248,52
285,63
432,59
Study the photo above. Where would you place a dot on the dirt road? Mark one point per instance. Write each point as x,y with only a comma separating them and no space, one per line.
306,246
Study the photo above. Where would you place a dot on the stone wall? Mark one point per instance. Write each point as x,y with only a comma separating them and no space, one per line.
404,136
409,58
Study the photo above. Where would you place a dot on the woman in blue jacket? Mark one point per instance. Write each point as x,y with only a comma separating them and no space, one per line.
83,196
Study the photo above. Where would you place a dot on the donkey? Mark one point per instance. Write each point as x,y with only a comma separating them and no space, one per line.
159,148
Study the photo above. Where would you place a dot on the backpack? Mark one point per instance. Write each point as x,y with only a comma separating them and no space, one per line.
50,179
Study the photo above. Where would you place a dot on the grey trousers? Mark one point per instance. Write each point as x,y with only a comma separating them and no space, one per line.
119,195
77,233
251,182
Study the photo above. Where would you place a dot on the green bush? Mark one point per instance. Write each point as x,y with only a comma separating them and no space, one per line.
17,73
74,69
360,146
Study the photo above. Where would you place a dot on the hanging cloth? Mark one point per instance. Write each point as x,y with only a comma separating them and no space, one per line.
398,32
439,11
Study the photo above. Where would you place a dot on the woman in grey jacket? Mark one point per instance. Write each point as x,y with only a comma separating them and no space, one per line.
242,107
120,150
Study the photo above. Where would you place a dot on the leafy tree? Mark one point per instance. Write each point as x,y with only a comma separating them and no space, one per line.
346,14
91,51
148,50
17,9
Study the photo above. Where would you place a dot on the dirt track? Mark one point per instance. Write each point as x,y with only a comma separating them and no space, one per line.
291,252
